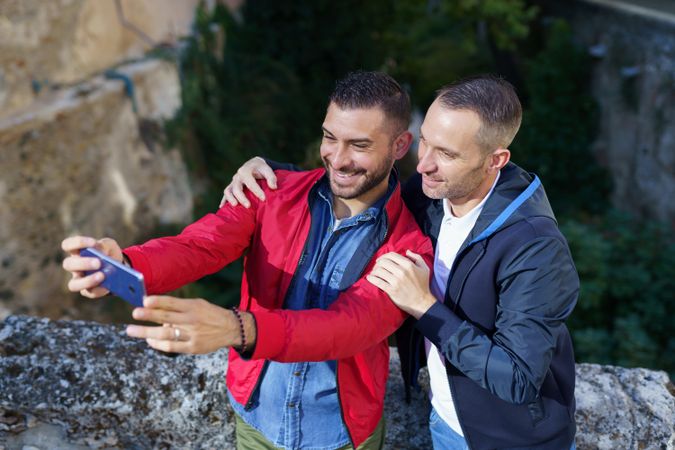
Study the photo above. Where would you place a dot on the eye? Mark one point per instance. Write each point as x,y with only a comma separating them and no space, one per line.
361,146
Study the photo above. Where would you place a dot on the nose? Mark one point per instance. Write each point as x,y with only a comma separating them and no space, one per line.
341,158
425,163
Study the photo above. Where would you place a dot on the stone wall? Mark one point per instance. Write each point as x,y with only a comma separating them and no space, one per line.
73,385
634,82
83,149
44,45
85,163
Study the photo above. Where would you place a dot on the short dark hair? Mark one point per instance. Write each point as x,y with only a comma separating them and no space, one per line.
496,103
362,89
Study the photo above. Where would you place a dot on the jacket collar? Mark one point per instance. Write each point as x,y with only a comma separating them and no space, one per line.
518,195
392,198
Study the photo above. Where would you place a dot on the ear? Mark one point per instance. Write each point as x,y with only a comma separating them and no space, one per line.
402,144
499,158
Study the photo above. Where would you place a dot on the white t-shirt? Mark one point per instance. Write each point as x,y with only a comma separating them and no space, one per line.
453,233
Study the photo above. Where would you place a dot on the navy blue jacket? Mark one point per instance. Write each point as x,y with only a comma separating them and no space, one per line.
501,326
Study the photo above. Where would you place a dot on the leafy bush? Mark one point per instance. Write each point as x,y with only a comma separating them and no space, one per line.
559,125
626,308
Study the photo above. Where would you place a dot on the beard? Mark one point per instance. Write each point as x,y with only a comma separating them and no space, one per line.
455,189
364,180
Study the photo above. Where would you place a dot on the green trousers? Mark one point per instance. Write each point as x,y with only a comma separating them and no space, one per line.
248,438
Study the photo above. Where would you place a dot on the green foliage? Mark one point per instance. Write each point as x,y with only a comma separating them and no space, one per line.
625,310
559,125
434,43
260,85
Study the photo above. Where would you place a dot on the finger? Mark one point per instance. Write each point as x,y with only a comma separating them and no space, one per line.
228,197
168,303
396,258
96,292
224,199
268,174
81,264
166,333
238,193
160,316
384,274
110,247
417,259
252,184
169,346
392,267
378,282
74,244
77,284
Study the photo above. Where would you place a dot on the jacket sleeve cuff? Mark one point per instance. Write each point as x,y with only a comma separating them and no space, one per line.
140,263
270,334
438,324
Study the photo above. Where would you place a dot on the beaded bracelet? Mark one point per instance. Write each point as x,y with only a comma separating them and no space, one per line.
242,348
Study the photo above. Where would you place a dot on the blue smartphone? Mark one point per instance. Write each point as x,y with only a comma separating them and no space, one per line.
121,280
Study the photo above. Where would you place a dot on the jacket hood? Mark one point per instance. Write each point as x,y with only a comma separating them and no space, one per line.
518,195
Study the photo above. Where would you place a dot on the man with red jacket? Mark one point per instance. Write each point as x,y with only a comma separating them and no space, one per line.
310,334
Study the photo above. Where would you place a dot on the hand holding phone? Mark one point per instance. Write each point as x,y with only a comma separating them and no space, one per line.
121,280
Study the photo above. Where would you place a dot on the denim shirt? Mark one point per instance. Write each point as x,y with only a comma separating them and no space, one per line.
297,405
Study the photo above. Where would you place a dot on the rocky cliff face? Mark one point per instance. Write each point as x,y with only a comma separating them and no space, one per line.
83,149
87,162
45,45
73,385
634,81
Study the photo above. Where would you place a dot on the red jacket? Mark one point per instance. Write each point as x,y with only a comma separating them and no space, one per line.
353,330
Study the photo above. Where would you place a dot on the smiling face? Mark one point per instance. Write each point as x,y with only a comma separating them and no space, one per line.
452,163
358,149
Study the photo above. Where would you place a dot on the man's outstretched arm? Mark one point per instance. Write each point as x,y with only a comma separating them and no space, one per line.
361,317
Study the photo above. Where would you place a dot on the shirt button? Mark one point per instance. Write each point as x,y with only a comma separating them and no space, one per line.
291,405
296,373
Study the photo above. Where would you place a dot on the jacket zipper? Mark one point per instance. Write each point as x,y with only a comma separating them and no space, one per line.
258,382
451,382
337,362
249,402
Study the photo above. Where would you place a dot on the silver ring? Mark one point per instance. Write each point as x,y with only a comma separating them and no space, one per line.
176,334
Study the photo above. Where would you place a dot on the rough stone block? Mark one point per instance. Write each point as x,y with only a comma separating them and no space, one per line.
82,161
47,44
73,384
